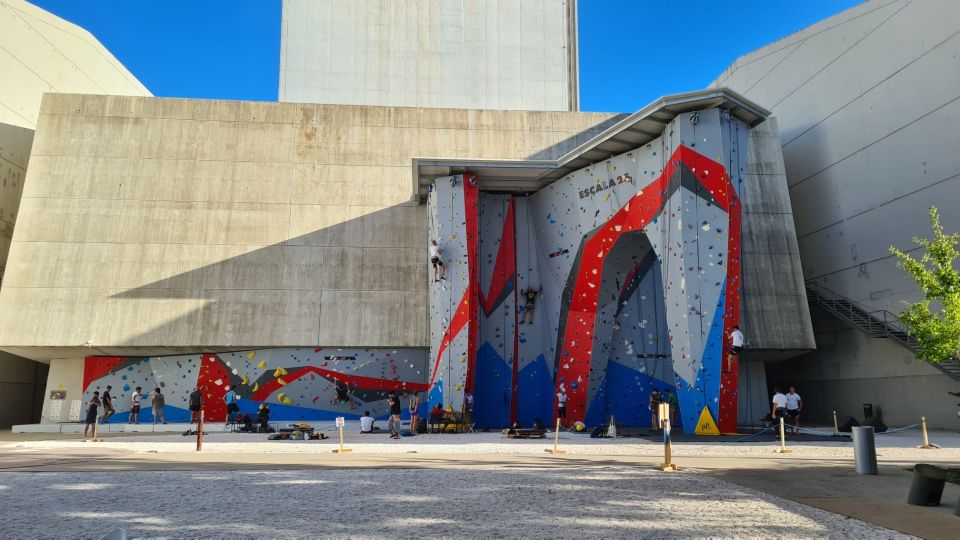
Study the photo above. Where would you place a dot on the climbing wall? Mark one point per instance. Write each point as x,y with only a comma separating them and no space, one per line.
297,384
453,223
636,261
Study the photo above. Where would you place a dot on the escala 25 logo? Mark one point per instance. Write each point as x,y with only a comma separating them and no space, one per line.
603,186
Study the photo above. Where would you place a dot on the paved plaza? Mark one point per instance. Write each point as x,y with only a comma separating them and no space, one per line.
466,486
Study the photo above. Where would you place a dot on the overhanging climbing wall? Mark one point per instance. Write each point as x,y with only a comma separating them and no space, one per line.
636,265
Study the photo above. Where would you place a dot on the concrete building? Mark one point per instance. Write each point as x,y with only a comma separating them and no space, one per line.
469,54
868,102
39,53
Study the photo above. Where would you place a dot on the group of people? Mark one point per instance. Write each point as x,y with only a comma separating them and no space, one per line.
157,402
439,417
788,407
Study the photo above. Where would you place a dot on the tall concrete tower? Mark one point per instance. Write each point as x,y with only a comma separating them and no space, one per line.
474,54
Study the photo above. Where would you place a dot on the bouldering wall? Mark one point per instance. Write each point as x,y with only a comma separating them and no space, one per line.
297,384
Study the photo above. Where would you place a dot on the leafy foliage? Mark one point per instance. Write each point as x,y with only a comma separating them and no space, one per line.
937,331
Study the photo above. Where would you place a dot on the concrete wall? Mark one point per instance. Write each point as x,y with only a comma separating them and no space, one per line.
476,54
66,375
867,102
156,226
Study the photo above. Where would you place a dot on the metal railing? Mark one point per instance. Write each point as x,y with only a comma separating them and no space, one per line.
877,323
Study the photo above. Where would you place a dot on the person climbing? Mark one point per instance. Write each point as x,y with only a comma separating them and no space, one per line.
92,407
413,405
108,409
135,406
736,345
654,404
341,393
530,295
437,263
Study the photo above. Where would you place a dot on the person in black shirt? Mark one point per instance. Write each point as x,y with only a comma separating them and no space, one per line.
263,416
92,407
530,297
195,404
108,409
394,401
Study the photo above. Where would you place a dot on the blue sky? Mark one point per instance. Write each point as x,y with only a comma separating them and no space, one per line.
631,51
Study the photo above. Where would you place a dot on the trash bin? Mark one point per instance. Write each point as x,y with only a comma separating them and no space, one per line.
927,485
864,450
867,412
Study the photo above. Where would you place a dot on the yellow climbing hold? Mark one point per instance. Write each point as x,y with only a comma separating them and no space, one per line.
244,380
279,372
256,386
706,425
282,398
262,364
281,381
251,354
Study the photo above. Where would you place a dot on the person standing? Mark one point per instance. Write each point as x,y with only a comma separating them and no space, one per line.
794,406
230,398
671,399
468,408
736,345
562,403
195,403
654,405
413,405
779,408
92,407
437,262
135,400
108,409
394,402
157,403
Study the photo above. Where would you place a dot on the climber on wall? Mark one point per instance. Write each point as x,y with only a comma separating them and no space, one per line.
530,297
736,345
438,266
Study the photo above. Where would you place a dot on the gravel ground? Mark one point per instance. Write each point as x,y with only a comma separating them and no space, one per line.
895,447
607,502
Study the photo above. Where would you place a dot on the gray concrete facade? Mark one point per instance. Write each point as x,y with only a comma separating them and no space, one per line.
161,226
473,54
867,103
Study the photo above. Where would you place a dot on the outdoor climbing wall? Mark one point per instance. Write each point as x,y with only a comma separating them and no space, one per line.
297,384
494,391
453,224
636,265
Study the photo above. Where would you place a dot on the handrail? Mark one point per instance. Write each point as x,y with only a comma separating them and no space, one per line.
889,324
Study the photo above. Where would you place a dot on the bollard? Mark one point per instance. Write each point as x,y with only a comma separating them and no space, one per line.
864,450
96,426
836,425
200,431
556,441
926,440
342,450
783,440
667,465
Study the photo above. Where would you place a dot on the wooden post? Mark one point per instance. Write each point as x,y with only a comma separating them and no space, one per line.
783,440
96,425
340,423
664,416
926,440
200,431
836,425
556,442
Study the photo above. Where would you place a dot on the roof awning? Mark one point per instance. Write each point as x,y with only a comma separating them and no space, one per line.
634,131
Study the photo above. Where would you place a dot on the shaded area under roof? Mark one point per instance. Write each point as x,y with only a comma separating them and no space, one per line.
634,131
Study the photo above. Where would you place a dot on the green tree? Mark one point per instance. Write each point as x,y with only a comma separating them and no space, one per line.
934,321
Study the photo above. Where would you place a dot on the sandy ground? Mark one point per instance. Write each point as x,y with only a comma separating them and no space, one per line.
609,502
895,447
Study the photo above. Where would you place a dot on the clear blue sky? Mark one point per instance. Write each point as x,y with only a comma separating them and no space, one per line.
631,51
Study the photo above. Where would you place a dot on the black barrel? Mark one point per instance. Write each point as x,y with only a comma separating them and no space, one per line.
927,485
864,450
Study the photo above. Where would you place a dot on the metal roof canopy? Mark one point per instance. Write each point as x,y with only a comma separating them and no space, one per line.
634,131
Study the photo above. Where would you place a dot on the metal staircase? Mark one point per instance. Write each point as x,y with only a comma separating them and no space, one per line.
878,323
